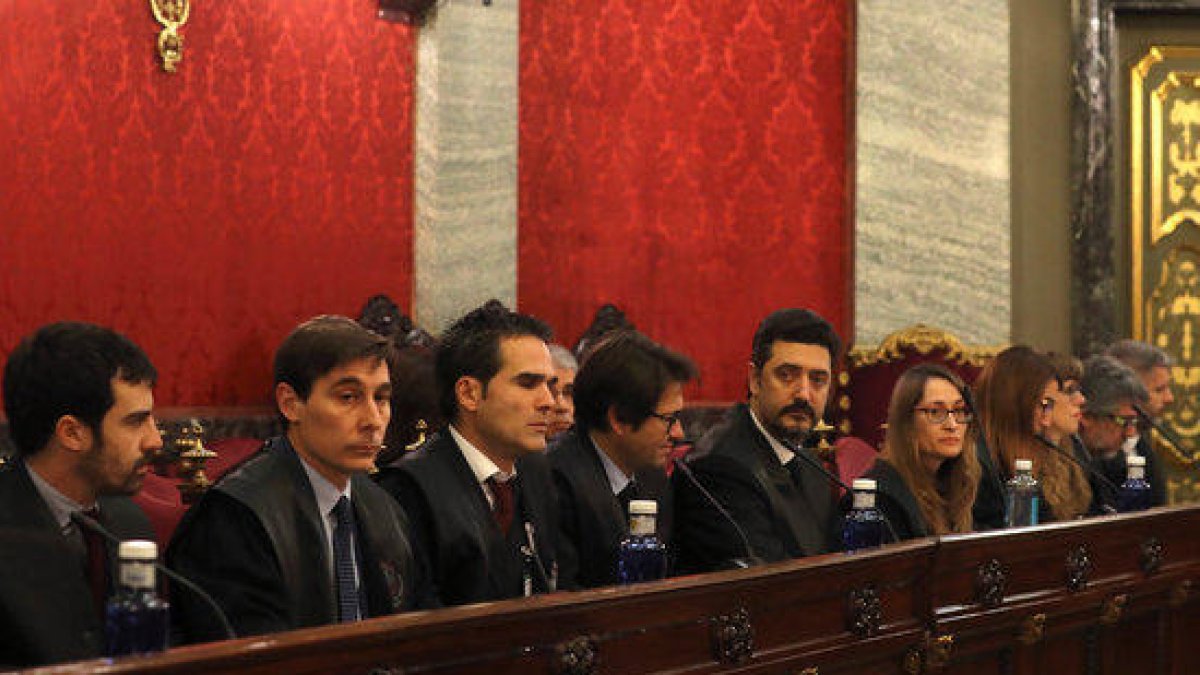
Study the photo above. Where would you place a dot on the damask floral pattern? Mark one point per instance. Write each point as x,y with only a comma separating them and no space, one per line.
202,213
686,161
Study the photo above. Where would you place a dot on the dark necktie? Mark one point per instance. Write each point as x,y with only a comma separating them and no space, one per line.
502,508
96,561
626,495
343,561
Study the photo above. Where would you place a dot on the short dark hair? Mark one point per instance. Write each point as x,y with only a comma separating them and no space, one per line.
629,372
321,344
470,347
794,325
67,368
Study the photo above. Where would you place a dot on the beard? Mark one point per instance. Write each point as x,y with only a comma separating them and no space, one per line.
792,436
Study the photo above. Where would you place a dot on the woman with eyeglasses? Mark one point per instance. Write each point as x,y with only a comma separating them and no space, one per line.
1017,395
925,482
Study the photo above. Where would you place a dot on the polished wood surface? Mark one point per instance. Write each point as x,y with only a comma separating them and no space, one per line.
1107,595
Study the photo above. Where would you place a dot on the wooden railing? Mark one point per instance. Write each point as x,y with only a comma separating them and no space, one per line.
1107,595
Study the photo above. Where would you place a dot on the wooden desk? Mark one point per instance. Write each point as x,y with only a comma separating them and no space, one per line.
1109,595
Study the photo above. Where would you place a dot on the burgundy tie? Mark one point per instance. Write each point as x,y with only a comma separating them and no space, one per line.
97,561
502,509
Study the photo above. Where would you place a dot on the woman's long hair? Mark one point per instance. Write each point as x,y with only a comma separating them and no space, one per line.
947,510
1009,391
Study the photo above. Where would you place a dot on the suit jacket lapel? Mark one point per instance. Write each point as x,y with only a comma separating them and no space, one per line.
607,500
783,494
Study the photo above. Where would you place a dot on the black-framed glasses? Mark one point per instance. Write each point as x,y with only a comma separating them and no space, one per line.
670,420
1124,421
940,415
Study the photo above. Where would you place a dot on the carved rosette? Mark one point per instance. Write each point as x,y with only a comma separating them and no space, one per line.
1151,555
576,656
733,637
865,612
991,582
1079,567
922,339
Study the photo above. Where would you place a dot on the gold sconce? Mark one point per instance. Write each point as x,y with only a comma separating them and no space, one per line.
171,14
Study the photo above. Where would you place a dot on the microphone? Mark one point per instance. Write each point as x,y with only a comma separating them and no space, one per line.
93,526
803,456
530,549
751,558
1168,435
1107,508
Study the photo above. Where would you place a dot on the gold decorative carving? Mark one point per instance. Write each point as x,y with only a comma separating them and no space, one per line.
923,339
1111,610
171,14
811,670
937,651
1173,324
1033,629
913,659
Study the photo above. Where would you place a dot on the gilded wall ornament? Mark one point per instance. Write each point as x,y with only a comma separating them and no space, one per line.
171,14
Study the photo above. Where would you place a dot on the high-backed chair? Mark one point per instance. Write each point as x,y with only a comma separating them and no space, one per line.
865,387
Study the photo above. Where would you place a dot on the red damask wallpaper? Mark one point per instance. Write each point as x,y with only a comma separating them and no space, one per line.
686,161
202,213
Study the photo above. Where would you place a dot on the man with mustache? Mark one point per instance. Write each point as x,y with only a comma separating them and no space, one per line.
79,400
629,395
749,463
299,536
479,493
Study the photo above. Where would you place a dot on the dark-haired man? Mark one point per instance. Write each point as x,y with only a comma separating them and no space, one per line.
79,400
298,536
479,494
628,397
750,462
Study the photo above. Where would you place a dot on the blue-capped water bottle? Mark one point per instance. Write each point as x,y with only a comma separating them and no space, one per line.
136,619
863,526
1022,497
1135,491
641,556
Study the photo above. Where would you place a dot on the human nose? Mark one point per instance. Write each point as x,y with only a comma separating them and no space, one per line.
546,398
377,414
154,438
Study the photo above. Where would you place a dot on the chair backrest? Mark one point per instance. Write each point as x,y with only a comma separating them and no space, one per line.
865,387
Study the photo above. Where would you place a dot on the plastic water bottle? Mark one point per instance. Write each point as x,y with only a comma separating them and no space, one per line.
136,619
1135,491
641,555
1022,496
863,526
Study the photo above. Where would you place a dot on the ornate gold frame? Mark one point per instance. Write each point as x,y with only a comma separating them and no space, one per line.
923,339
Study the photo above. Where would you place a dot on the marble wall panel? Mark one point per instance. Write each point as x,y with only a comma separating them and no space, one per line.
465,234
932,239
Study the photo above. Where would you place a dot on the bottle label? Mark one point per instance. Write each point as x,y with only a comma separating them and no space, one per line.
641,525
864,499
137,574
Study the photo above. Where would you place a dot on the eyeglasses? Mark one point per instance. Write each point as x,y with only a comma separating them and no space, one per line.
670,420
1126,421
940,415
1070,389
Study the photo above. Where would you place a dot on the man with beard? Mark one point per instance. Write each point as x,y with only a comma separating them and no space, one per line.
750,464
79,401
629,395
1153,367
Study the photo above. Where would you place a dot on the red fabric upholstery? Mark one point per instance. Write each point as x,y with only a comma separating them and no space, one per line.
230,453
854,457
866,387
163,505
